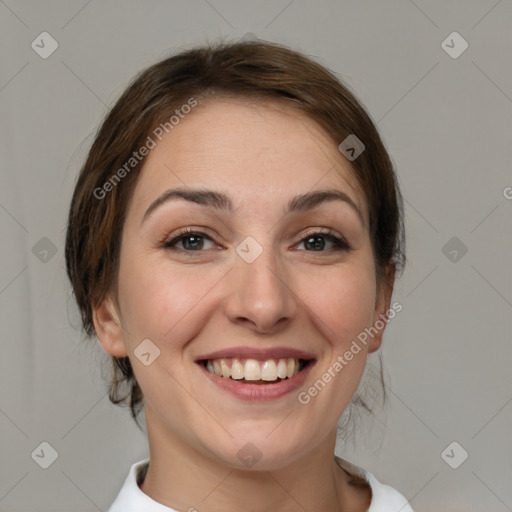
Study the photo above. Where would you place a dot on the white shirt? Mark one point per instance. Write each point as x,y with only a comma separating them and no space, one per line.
131,499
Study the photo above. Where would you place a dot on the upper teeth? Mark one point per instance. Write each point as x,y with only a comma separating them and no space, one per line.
252,369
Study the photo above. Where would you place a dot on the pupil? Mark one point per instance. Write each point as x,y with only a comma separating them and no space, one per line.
322,244
192,237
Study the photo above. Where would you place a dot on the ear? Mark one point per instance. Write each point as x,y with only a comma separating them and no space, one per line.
382,304
109,329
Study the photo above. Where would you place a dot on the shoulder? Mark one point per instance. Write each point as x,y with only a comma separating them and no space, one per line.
384,497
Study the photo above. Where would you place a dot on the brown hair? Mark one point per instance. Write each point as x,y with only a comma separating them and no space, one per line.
253,69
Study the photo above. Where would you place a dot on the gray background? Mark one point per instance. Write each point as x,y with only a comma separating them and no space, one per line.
447,124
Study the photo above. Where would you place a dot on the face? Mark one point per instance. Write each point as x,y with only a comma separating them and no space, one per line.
270,273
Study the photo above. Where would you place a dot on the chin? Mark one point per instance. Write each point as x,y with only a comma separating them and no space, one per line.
258,452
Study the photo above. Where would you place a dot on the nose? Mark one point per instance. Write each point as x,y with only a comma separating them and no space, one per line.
261,296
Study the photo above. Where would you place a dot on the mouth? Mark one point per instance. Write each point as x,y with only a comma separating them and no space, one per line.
257,374
254,371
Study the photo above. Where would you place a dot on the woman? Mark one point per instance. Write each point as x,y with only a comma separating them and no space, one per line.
232,242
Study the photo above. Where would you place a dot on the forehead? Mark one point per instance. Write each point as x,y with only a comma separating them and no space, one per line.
250,148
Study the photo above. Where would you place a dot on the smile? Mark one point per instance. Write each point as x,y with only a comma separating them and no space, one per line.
257,374
252,370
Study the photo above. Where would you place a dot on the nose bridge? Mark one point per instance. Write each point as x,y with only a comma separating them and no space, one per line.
260,266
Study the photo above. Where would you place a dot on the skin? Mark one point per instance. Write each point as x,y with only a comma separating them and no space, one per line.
207,299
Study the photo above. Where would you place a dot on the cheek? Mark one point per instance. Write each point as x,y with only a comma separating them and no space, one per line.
343,303
162,302
169,303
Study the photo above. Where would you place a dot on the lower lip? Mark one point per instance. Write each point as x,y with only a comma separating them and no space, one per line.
260,391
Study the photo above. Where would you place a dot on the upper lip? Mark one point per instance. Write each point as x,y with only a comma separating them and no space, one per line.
257,353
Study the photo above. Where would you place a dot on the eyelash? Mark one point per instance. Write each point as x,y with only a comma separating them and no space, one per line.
340,244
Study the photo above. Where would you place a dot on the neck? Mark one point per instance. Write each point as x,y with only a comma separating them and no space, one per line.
183,478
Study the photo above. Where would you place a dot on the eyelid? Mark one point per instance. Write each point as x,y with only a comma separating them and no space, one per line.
323,231
184,232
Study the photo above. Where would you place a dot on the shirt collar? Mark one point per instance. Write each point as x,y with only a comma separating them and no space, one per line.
131,498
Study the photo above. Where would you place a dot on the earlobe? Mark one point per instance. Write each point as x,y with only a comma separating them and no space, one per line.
108,328
382,305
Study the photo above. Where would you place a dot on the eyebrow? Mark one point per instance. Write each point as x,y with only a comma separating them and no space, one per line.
221,201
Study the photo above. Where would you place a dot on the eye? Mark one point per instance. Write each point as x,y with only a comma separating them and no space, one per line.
192,241
317,240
